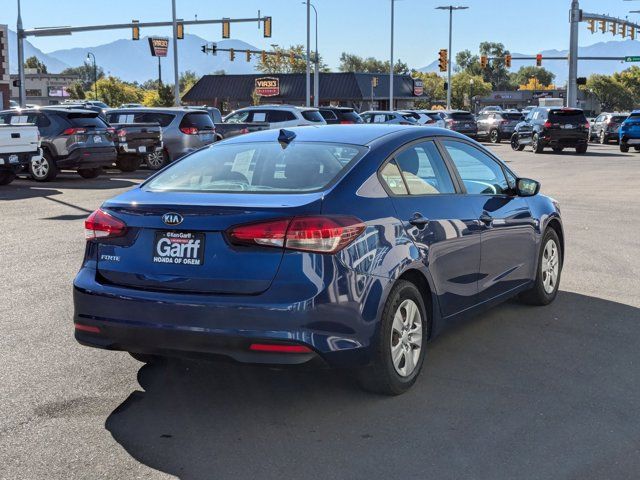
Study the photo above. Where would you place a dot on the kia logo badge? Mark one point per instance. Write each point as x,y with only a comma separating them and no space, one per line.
172,218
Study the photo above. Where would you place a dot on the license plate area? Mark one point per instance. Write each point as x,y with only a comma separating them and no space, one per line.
178,248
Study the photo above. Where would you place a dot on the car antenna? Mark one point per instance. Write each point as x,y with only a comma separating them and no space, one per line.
286,137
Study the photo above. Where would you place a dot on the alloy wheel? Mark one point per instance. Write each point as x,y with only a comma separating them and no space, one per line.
493,136
406,338
550,266
40,167
603,138
155,160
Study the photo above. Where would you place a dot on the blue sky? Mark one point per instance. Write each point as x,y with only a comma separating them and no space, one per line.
358,26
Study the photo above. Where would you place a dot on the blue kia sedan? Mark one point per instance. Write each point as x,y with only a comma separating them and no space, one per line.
350,245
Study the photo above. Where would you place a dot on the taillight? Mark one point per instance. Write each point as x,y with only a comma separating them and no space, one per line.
102,225
346,122
111,130
189,130
320,234
122,134
74,131
547,124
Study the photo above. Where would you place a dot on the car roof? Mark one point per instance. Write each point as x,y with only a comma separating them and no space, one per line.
382,111
275,106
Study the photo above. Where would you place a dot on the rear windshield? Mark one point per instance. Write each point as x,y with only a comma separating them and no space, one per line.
465,116
312,116
86,121
350,115
200,120
567,116
164,119
512,116
259,167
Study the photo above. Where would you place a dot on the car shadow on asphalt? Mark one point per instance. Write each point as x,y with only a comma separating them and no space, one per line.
519,392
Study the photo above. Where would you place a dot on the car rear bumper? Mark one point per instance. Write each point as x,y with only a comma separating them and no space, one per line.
629,139
17,161
566,140
88,158
139,148
337,328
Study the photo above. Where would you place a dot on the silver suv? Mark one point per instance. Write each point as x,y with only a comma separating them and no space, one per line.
277,116
183,130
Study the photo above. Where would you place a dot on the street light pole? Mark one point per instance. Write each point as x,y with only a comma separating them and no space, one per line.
20,30
176,74
391,59
316,75
572,83
95,73
308,92
451,8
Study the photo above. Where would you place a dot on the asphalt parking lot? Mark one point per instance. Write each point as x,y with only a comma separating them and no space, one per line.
517,393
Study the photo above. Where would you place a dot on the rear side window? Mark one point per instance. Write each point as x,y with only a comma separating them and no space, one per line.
618,118
201,121
276,116
328,115
567,116
393,178
312,116
424,170
350,115
86,121
261,167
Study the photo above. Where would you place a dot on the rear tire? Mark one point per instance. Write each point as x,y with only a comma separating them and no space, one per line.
43,169
548,273
602,138
399,348
129,163
536,144
624,148
157,160
494,136
89,172
580,149
7,177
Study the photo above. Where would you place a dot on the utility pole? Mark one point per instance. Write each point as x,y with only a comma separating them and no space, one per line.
316,75
20,30
176,74
308,92
391,59
572,83
451,8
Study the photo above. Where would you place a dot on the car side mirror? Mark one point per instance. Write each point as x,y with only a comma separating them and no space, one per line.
525,187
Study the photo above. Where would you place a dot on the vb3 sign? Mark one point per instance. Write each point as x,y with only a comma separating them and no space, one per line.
268,86
158,46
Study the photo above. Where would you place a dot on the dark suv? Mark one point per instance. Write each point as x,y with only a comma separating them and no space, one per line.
72,139
553,127
461,121
494,126
339,115
606,127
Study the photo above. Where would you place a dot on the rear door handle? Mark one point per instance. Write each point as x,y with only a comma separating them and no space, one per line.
486,218
419,221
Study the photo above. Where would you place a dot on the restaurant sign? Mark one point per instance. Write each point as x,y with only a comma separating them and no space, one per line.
418,87
268,86
158,46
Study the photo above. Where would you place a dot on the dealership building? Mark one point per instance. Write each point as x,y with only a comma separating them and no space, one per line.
5,89
362,91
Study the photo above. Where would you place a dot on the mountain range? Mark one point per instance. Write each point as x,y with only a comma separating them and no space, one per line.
140,66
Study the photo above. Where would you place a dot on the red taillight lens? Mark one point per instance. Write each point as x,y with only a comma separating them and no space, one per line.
102,225
278,348
74,131
122,133
547,124
189,130
346,122
319,234
86,328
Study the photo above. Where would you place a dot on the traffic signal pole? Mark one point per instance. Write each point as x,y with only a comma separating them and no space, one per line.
22,88
176,73
449,59
572,83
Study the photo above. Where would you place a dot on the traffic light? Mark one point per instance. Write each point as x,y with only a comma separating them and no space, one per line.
267,27
232,54
539,60
592,26
603,26
374,81
292,57
446,86
204,49
248,55
507,61
264,57
278,56
484,61
613,28
623,30
226,28
180,30
443,60
135,31
581,81
632,33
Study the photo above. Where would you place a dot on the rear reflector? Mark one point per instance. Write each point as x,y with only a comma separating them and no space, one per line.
320,234
86,328
74,131
102,225
275,348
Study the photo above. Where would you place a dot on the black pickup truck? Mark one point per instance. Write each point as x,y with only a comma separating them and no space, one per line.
134,138
228,130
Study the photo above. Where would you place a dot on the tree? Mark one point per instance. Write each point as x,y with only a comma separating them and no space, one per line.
165,95
115,92
433,87
465,86
76,90
496,73
187,80
630,78
350,62
282,63
33,62
611,93
542,76
85,72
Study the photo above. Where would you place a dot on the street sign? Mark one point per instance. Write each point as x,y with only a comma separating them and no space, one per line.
632,59
158,46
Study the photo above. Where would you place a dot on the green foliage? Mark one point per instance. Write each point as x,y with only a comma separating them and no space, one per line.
496,73
354,63
611,93
542,76
85,72
33,62
165,96
76,91
465,86
187,80
283,64
433,88
630,79
115,92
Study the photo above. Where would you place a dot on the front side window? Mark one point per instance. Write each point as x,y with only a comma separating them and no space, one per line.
424,171
480,173
258,167
239,117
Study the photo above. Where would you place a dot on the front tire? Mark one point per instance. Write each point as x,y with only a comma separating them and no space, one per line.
399,350
549,270
536,144
603,138
624,148
89,172
7,177
515,143
44,168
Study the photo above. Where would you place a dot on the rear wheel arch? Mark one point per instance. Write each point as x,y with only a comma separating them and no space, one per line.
417,278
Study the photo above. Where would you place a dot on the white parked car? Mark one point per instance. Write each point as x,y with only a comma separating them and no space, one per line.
431,118
19,145
277,116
